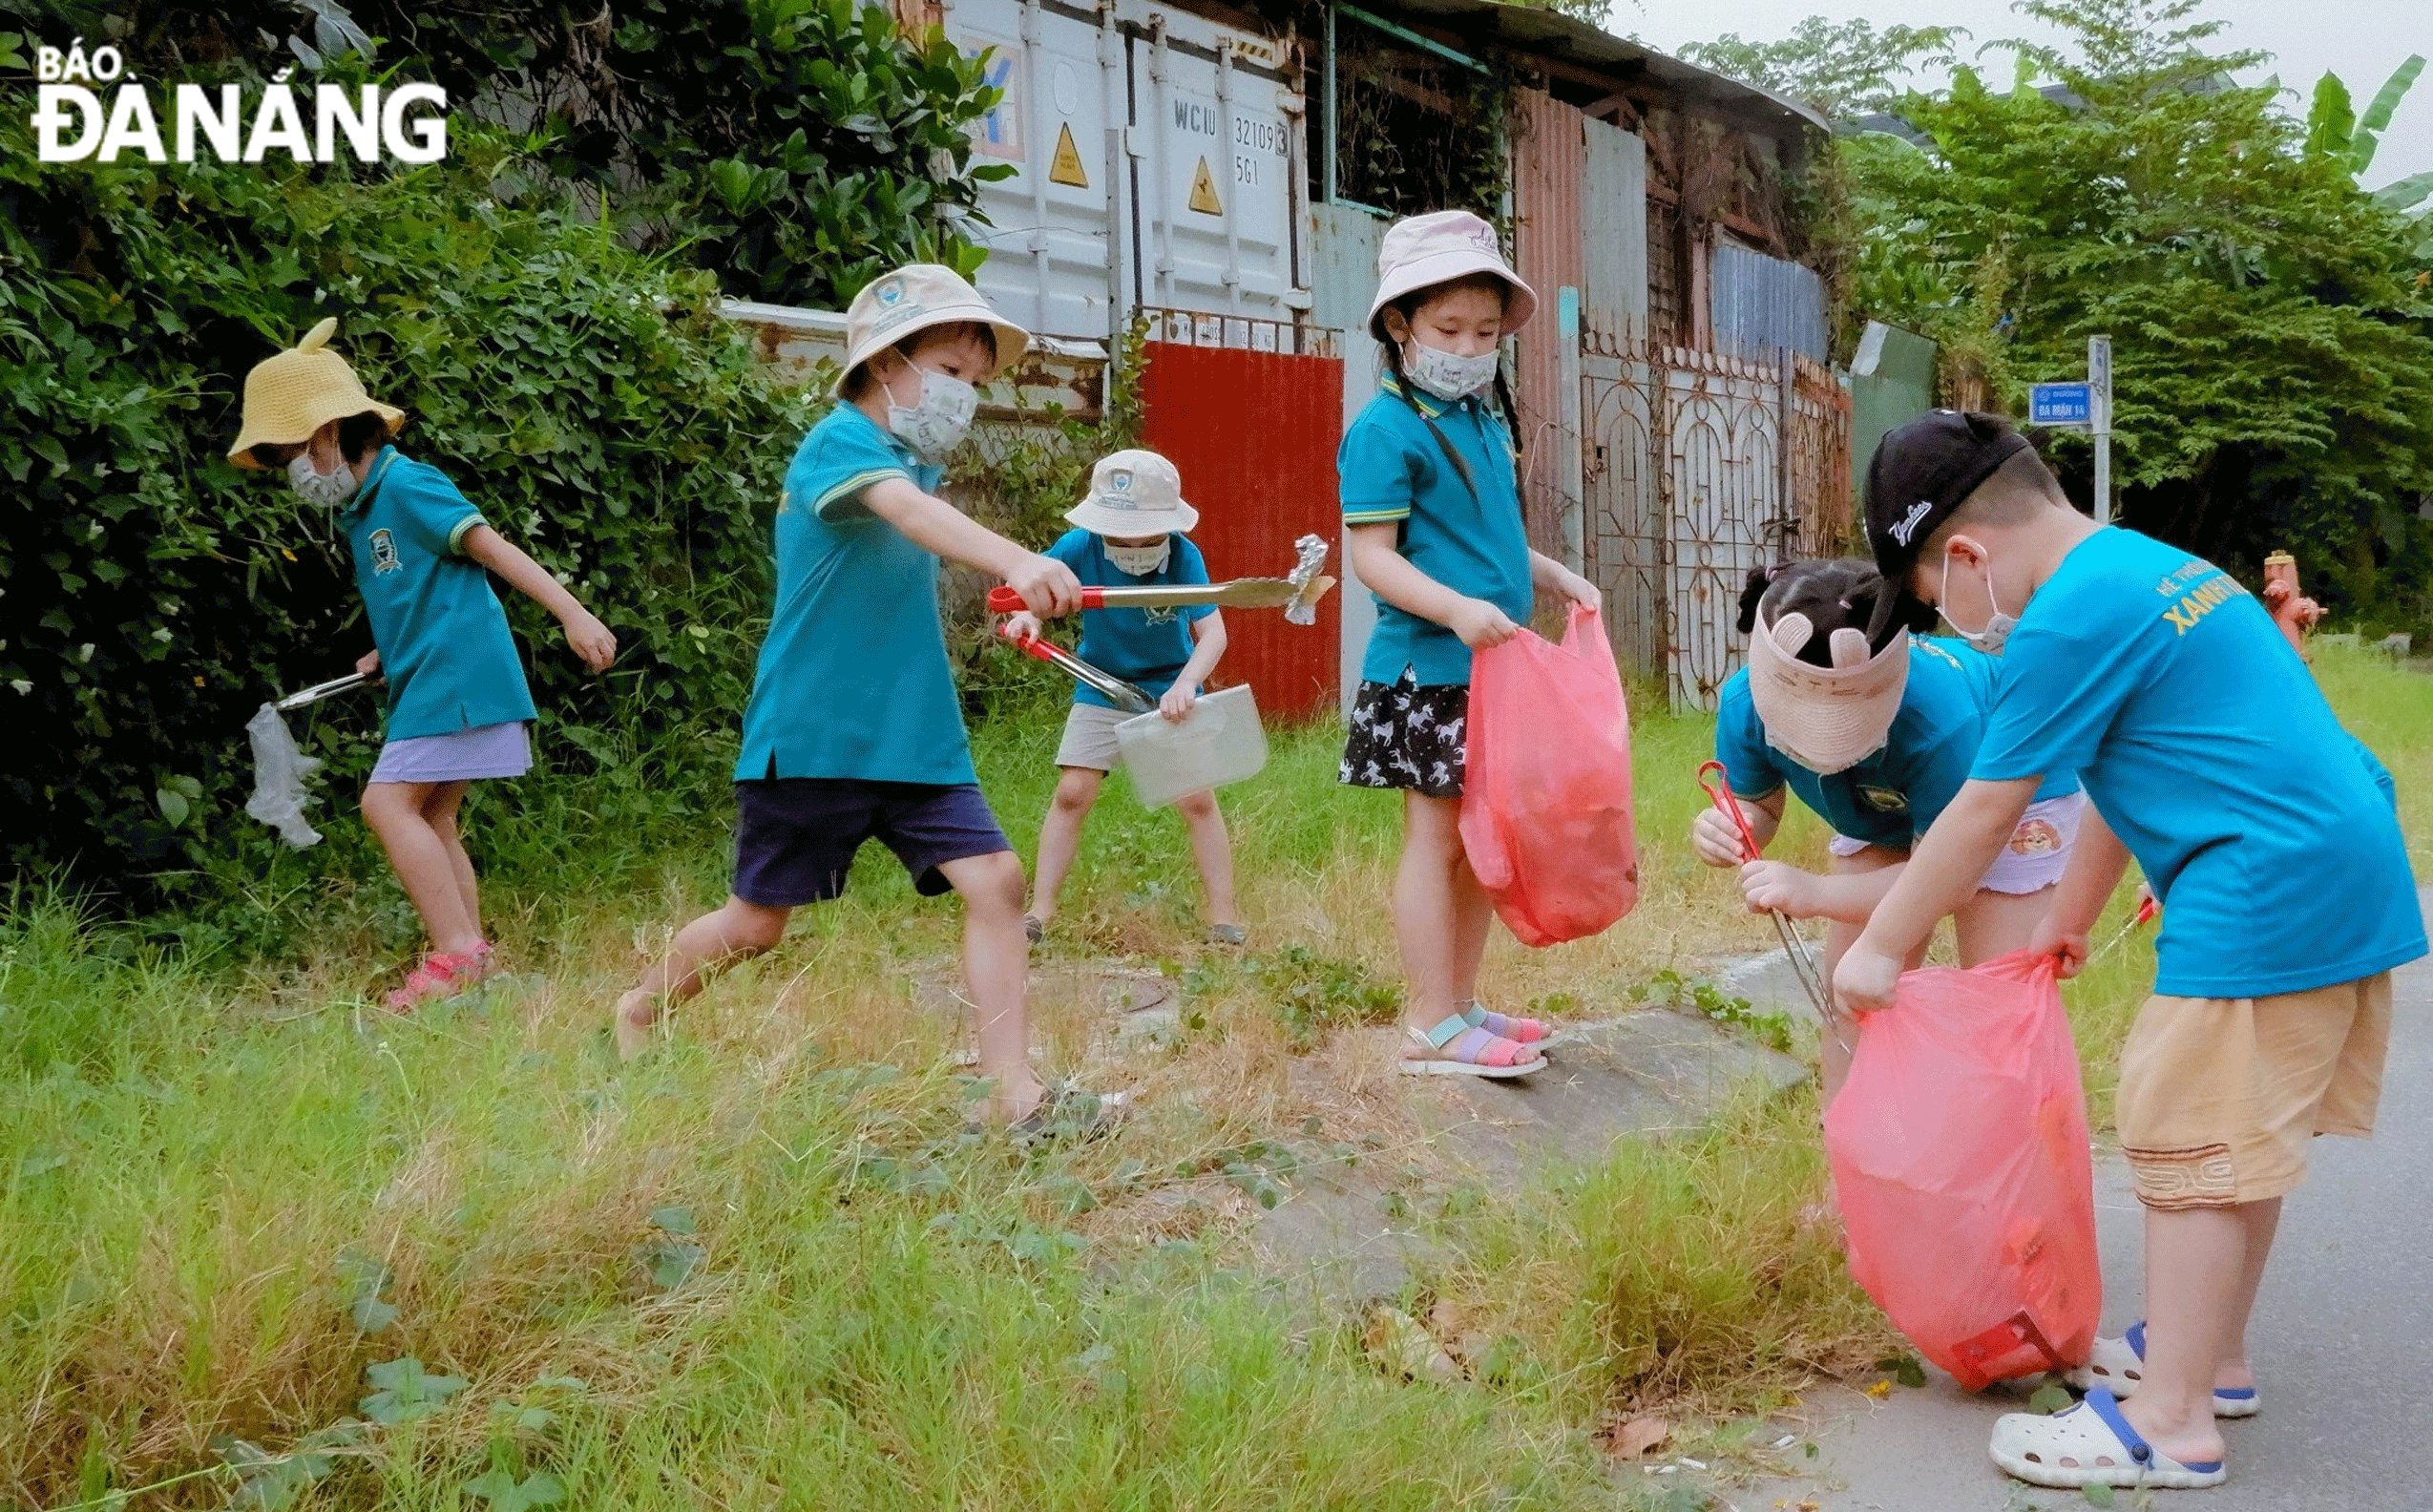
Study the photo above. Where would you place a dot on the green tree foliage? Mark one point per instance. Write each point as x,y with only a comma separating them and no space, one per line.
1845,68
150,595
2335,130
2274,360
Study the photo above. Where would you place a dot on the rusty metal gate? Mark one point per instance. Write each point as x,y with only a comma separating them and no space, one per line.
1690,485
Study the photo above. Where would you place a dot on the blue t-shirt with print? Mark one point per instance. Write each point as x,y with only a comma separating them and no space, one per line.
1467,535
1890,798
1146,646
2207,747
854,679
444,649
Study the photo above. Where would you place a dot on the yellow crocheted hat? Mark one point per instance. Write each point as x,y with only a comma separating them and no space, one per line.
293,394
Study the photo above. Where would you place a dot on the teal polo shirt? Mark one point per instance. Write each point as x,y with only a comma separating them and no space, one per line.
445,648
854,679
1145,646
1466,535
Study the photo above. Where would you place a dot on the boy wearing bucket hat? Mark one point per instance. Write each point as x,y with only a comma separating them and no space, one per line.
1876,742
2267,833
1129,531
423,556
1431,507
854,731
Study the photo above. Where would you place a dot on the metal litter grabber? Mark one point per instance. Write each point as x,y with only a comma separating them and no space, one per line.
1296,595
1122,694
280,768
1716,782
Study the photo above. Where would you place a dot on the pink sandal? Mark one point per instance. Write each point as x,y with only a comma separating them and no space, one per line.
1520,1031
1458,1047
440,976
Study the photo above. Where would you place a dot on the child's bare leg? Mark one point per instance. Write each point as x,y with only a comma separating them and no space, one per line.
997,961
1991,923
1060,836
1473,911
734,931
423,861
1423,908
1212,850
440,810
2196,1264
2263,1218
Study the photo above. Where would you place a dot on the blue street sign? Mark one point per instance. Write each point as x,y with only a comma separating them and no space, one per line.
2061,404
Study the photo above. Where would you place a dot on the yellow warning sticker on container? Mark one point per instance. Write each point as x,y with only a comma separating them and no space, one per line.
1204,194
1065,167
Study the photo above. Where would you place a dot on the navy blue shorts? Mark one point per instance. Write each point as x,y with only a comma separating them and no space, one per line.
795,837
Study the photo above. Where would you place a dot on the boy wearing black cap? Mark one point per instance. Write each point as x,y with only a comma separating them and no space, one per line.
2265,829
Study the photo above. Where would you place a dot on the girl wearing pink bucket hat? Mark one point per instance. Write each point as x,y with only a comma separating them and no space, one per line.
1875,738
1432,509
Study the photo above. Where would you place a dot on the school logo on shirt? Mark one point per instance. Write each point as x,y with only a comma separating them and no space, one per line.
1884,800
1159,614
383,553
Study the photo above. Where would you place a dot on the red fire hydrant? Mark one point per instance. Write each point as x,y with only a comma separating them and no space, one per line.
2293,611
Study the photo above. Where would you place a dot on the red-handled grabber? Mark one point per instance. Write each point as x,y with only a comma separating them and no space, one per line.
1296,595
1122,694
1716,782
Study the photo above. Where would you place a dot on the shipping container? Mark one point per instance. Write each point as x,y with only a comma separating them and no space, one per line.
1159,164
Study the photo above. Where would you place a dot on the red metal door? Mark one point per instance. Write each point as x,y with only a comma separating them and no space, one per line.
1254,435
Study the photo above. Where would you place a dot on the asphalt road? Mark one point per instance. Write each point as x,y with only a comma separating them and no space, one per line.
2343,1343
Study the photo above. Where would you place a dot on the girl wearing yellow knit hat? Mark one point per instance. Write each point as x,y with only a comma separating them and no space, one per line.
457,703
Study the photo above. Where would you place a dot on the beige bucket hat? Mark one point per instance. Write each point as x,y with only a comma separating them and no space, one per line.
914,298
293,394
1827,719
1424,250
1134,494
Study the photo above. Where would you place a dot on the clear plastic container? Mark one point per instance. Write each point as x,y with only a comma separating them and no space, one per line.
1221,743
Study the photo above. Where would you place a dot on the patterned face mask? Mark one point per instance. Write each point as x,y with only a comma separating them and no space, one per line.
936,424
1141,561
1449,375
329,489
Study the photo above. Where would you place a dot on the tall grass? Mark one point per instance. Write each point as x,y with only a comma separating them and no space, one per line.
769,1267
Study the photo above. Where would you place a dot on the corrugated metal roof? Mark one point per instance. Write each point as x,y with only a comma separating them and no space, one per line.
1550,34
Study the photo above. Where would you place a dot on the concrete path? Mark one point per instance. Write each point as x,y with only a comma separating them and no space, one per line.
2342,1341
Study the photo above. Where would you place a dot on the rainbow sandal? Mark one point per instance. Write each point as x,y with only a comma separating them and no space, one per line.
1458,1047
1519,1031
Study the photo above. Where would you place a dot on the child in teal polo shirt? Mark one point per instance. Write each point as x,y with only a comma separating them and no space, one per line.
423,554
853,731
1432,504
1129,533
2268,834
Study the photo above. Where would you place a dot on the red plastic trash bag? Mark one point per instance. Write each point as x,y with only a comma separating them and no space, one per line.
1545,803
1959,1159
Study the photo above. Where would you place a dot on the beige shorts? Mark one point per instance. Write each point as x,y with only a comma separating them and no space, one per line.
1089,738
2220,1095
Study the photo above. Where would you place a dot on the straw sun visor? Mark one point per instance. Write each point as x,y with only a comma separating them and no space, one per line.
1827,719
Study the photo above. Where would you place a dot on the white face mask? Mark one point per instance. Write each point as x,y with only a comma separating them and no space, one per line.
1448,375
1998,625
1140,562
329,489
937,423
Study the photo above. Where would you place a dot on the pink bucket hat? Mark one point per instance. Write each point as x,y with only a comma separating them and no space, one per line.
1827,719
1422,251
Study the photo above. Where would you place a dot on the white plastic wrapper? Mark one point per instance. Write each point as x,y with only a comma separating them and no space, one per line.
280,770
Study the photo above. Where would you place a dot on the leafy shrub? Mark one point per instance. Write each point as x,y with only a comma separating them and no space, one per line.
150,595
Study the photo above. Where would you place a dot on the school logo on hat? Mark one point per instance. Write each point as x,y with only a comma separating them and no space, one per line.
1119,481
891,292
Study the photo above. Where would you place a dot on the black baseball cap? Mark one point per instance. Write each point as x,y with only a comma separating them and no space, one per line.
1921,472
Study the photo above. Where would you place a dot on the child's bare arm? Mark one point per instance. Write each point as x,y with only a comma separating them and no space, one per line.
1046,585
1848,897
1549,575
1717,839
1941,876
1207,648
2097,861
1391,577
590,639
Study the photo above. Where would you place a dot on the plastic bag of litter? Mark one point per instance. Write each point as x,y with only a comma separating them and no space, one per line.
1960,1157
280,770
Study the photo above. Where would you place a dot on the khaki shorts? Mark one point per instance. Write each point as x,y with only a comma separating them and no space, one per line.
2220,1095
1089,738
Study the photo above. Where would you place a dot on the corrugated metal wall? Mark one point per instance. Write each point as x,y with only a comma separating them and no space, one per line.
1549,172
1891,382
1760,303
1616,254
1343,280
1254,435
